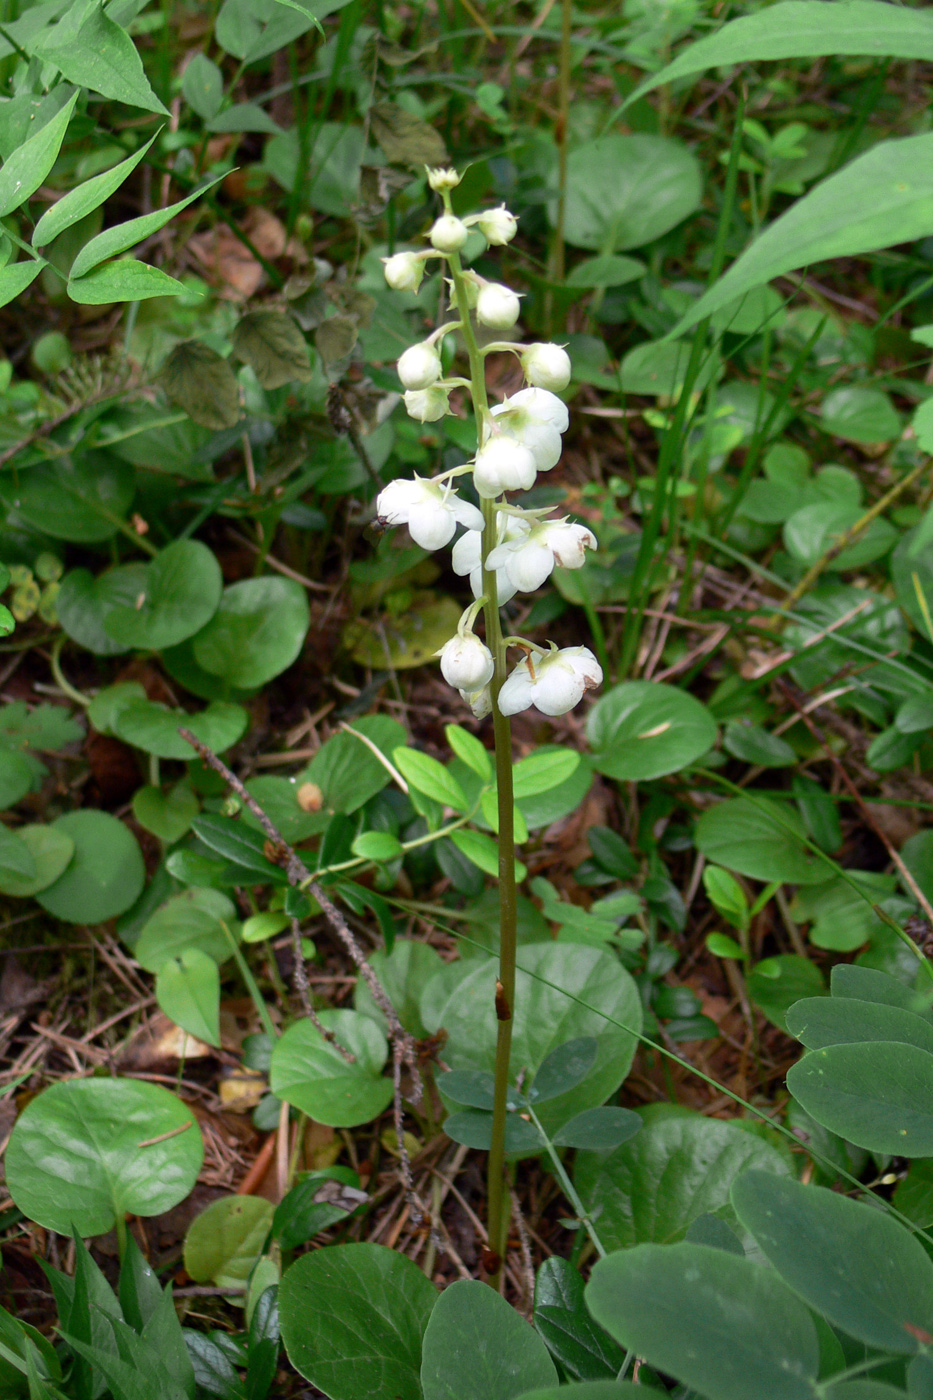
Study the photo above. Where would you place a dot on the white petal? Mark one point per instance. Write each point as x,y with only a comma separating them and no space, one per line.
544,441
430,525
530,565
543,406
518,691
465,513
466,663
569,543
467,553
395,501
503,465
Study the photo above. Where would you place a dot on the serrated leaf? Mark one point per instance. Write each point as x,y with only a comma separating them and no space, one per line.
202,383
273,347
404,138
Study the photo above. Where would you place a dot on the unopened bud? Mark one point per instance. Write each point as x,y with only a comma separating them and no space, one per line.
497,306
497,226
404,271
419,366
448,233
427,405
441,179
547,366
466,662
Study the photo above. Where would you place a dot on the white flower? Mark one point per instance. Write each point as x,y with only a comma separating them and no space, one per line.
546,366
497,226
541,438
504,464
404,271
530,558
540,406
440,179
466,662
427,405
479,701
552,683
497,306
431,512
419,366
448,233
467,556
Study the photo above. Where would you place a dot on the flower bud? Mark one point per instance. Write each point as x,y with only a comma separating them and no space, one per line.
539,437
540,406
448,233
547,366
497,226
427,405
419,366
479,701
404,271
503,465
440,179
497,306
466,662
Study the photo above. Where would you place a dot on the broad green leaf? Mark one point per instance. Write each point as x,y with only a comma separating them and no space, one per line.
97,54
564,1068
273,347
857,1266
606,270
426,775
625,191
758,838
816,530
588,1390
542,771
84,602
643,729
377,845
50,849
353,1317
878,1095
83,200
820,1021
196,918
404,973
913,1195
202,86
105,875
244,116
722,1325
841,917
188,991
477,1347
471,1088
256,633
777,983
82,1154
310,1073
659,367
199,380
803,29
870,984
859,413
473,1128
16,859
470,750
168,815
483,852
81,499
121,237
882,197
584,1351
278,797
345,768
26,169
677,1168
16,277
461,999
225,1240
154,728
181,591
124,279
243,845
598,1129
546,807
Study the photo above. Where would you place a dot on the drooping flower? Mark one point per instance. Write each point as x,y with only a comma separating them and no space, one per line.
467,556
431,512
539,406
479,701
541,438
466,662
553,683
497,226
404,271
503,464
448,233
497,306
546,366
419,366
529,558
427,405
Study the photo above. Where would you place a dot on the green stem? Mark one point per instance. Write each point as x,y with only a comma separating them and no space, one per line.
498,1207
567,1185
256,996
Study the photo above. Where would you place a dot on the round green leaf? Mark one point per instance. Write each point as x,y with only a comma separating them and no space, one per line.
461,999
353,1317
106,873
257,631
16,859
80,499
721,1325
477,1347
643,729
225,1240
78,1157
84,603
16,777
196,918
168,815
377,845
857,1266
588,1390
625,191
154,728
677,1168
753,744
610,270
858,413
273,347
311,1074
180,593
758,838
202,383
878,1095
403,974
51,850
659,367
188,991
815,530
820,1021
776,983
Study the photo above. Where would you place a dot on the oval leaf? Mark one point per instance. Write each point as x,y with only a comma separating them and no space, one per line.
476,1347
878,1095
311,1074
643,729
760,839
105,875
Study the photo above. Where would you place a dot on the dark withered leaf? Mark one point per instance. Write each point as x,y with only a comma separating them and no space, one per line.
201,382
405,139
273,347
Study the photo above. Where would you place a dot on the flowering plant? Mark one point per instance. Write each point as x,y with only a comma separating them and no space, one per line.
505,548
